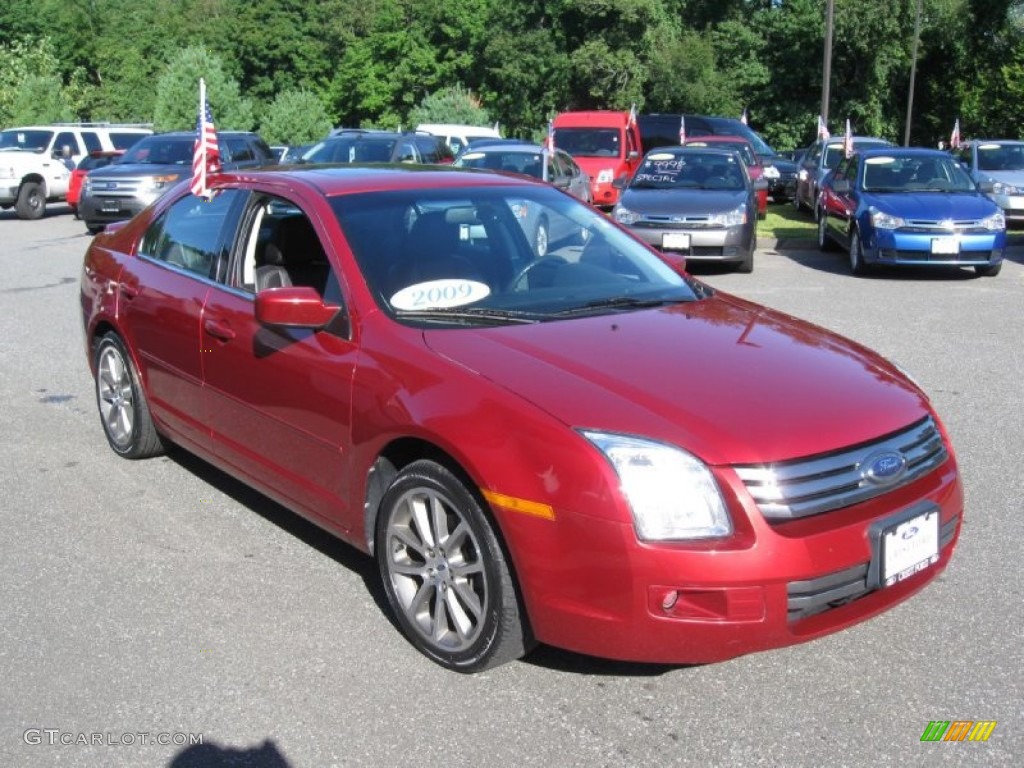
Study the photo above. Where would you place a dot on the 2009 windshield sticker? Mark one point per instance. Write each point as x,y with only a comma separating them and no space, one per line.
440,294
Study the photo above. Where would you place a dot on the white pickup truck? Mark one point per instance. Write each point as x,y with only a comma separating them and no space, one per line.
36,161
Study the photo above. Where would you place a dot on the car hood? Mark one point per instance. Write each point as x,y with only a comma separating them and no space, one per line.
120,170
682,201
1016,178
933,205
782,164
727,380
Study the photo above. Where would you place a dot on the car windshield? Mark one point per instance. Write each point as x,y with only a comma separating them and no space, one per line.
352,149
690,170
32,141
1001,157
470,257
835,152
89,162
589,142
159,151
743,150
527,163
915,173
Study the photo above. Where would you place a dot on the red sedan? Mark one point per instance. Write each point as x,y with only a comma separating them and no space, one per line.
564,449
750,158
96,159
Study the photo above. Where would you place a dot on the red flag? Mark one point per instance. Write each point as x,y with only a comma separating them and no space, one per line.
848,140
206,155
682,129
954,138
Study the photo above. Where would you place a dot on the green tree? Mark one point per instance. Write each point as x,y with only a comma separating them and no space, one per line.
39,100
177,94
21,59
295,117
454,104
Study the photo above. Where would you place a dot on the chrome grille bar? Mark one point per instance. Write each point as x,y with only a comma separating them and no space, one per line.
817,484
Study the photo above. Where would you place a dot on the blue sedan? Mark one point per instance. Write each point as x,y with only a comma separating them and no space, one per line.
903,206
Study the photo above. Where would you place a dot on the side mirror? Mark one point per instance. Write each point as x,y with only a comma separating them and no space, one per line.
987,186
293,307
633,154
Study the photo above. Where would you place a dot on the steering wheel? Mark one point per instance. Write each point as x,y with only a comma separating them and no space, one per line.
549,263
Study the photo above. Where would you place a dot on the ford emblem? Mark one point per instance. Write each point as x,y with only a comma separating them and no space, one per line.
884,468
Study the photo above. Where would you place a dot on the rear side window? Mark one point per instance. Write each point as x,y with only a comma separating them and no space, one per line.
238,150
92,141
189,234
122,140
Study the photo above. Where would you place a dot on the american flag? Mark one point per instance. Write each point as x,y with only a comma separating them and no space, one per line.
848,140
743,117
206,155
631,121
682,129
550,141
954,138
822,128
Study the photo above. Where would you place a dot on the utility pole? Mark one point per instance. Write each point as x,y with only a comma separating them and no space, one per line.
913,74
827,76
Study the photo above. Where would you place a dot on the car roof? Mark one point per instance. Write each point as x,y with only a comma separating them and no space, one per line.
511,146
903,152
690,149
341,179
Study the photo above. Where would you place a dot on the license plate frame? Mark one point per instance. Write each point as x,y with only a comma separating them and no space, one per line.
905,544
675,241
111,206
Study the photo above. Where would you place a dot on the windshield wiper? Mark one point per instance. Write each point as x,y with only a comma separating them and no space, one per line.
445,314
620,302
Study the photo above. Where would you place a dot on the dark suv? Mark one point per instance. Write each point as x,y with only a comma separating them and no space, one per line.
352,145
153,166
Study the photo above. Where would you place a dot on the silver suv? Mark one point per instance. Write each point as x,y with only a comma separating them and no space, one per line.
36,161
154,165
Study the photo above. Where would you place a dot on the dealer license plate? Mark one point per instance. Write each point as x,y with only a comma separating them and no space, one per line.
111,206
909,547
945,246
675,241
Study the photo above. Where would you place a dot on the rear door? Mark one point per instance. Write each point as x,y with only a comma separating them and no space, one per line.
163,290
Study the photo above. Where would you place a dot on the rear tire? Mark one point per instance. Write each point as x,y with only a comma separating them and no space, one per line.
122,404
31,201
444,572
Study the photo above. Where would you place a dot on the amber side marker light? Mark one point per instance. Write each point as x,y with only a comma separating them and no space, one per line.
523,506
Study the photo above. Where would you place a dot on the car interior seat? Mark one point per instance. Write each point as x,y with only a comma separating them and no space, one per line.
431,253
293,256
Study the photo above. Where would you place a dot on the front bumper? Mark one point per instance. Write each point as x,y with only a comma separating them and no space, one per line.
99,209
1012,205
719,244
901,248
592,587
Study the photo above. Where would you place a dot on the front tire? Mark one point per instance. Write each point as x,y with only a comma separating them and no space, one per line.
122,404
857,265
824,241
31,201
988,270
444,571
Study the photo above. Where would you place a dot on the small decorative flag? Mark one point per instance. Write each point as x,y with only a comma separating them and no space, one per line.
954,138
848,140
822,128
206,155
682,129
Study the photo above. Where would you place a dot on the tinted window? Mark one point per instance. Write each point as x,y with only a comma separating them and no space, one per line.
66,139
188,234
92,141
159,150
237,150
122,140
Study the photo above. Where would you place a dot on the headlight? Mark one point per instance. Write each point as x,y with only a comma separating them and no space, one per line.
625,216
158,183
1002,188
883,220
771,172
733,218
671,493
606,176
802,174
995,222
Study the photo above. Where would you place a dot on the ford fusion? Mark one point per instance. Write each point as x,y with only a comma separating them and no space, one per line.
909,207
560,449
696,201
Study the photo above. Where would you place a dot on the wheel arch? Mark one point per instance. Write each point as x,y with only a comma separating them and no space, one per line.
34,178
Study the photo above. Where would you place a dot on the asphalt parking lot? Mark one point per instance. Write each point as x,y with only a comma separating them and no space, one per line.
161,601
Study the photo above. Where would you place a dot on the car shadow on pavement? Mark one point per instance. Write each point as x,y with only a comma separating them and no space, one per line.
207,755
837,263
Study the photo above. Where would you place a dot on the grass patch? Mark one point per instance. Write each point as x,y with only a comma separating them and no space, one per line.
784,222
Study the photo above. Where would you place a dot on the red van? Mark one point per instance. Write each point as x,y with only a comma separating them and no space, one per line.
605,144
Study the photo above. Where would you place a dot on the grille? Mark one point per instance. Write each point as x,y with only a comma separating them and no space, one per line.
943,227
816,484
806,598
924,257
677,222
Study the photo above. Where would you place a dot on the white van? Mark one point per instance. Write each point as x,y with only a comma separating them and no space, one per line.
457,136
36,160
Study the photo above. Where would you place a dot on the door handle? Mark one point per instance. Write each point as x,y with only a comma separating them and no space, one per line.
218,330
129,291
